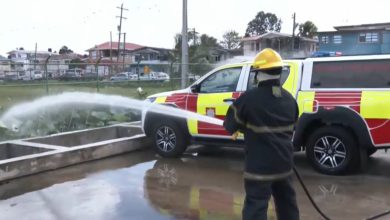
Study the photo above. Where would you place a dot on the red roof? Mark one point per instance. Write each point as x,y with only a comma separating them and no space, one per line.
107,46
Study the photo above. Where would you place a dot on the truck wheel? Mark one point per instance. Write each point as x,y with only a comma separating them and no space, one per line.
332,150
169,139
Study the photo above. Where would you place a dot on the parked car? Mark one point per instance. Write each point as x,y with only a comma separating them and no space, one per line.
37,75
344,106
12,77
153,76
89,76
120,77
70,75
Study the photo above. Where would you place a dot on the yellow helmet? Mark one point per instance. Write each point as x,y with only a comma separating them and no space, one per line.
267,59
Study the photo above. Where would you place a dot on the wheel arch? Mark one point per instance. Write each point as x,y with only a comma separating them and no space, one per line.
152,117
338,116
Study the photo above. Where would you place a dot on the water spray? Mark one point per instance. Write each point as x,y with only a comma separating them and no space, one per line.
10,118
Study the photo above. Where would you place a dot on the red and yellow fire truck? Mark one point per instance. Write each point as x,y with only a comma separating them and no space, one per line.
344,105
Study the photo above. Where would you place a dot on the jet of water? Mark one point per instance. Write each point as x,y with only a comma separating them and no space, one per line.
11,118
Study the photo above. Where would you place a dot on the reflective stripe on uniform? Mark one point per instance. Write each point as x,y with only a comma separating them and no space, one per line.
262,129
267,177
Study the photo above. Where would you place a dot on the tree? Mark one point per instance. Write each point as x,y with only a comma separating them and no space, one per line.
200,54
231,40
307,29
65,50
77,63
263,23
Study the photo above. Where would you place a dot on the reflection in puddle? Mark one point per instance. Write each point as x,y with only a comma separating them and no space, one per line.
187,190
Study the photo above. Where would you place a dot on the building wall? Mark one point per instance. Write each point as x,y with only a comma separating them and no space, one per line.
386,42
351,46
306,48
5,67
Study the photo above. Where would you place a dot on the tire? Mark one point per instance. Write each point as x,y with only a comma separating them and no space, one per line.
332,150
169,139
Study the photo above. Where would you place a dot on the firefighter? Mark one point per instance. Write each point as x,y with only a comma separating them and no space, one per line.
266,115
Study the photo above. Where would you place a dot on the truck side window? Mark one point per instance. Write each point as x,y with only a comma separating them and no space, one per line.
225,80
285,73
351,74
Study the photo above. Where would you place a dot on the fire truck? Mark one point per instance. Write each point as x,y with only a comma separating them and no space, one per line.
344,108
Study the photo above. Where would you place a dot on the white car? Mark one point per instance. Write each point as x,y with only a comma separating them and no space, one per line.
37,75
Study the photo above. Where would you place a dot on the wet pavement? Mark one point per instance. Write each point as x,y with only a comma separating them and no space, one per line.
200,186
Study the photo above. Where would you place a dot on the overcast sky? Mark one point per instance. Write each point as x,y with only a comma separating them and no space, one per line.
81,24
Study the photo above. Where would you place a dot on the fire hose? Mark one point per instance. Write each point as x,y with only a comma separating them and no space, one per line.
323,215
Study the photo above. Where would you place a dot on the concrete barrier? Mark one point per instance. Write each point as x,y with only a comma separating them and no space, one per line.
29,156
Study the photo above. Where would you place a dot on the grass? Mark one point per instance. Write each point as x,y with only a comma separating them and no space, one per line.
14,93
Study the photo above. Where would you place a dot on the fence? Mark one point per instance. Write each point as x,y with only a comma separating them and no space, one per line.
24,83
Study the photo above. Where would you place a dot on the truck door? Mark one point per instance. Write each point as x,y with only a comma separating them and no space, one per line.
215,95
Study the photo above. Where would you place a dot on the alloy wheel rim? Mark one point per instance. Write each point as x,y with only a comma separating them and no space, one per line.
166,139
330,152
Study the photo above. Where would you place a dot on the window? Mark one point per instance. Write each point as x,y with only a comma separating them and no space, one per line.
222,81
368,38
325,39
253,46
337,39
253,83
351,74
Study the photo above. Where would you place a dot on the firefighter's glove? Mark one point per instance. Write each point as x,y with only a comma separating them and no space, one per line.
235,135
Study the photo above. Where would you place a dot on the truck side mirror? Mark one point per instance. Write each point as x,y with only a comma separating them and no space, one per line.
195,88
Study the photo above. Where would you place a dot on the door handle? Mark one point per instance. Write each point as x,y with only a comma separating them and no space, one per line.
229,100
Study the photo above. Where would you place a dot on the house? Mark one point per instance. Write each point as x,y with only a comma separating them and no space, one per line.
107,50
111,58
153,58
357,39
60,63
25,63
303,47
5,66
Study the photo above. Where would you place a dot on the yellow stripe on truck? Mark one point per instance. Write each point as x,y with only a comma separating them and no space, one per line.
160,100
192,126
375,104
290,84
305,102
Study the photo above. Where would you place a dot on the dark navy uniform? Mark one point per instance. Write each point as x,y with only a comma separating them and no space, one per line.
266,115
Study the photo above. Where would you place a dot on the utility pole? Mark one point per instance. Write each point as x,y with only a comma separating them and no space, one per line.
184,48
123,51
293,33
120,28
35,57
110,53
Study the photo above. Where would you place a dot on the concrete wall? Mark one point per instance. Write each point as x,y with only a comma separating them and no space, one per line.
30,156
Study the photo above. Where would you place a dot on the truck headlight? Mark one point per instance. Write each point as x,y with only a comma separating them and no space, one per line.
151,100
